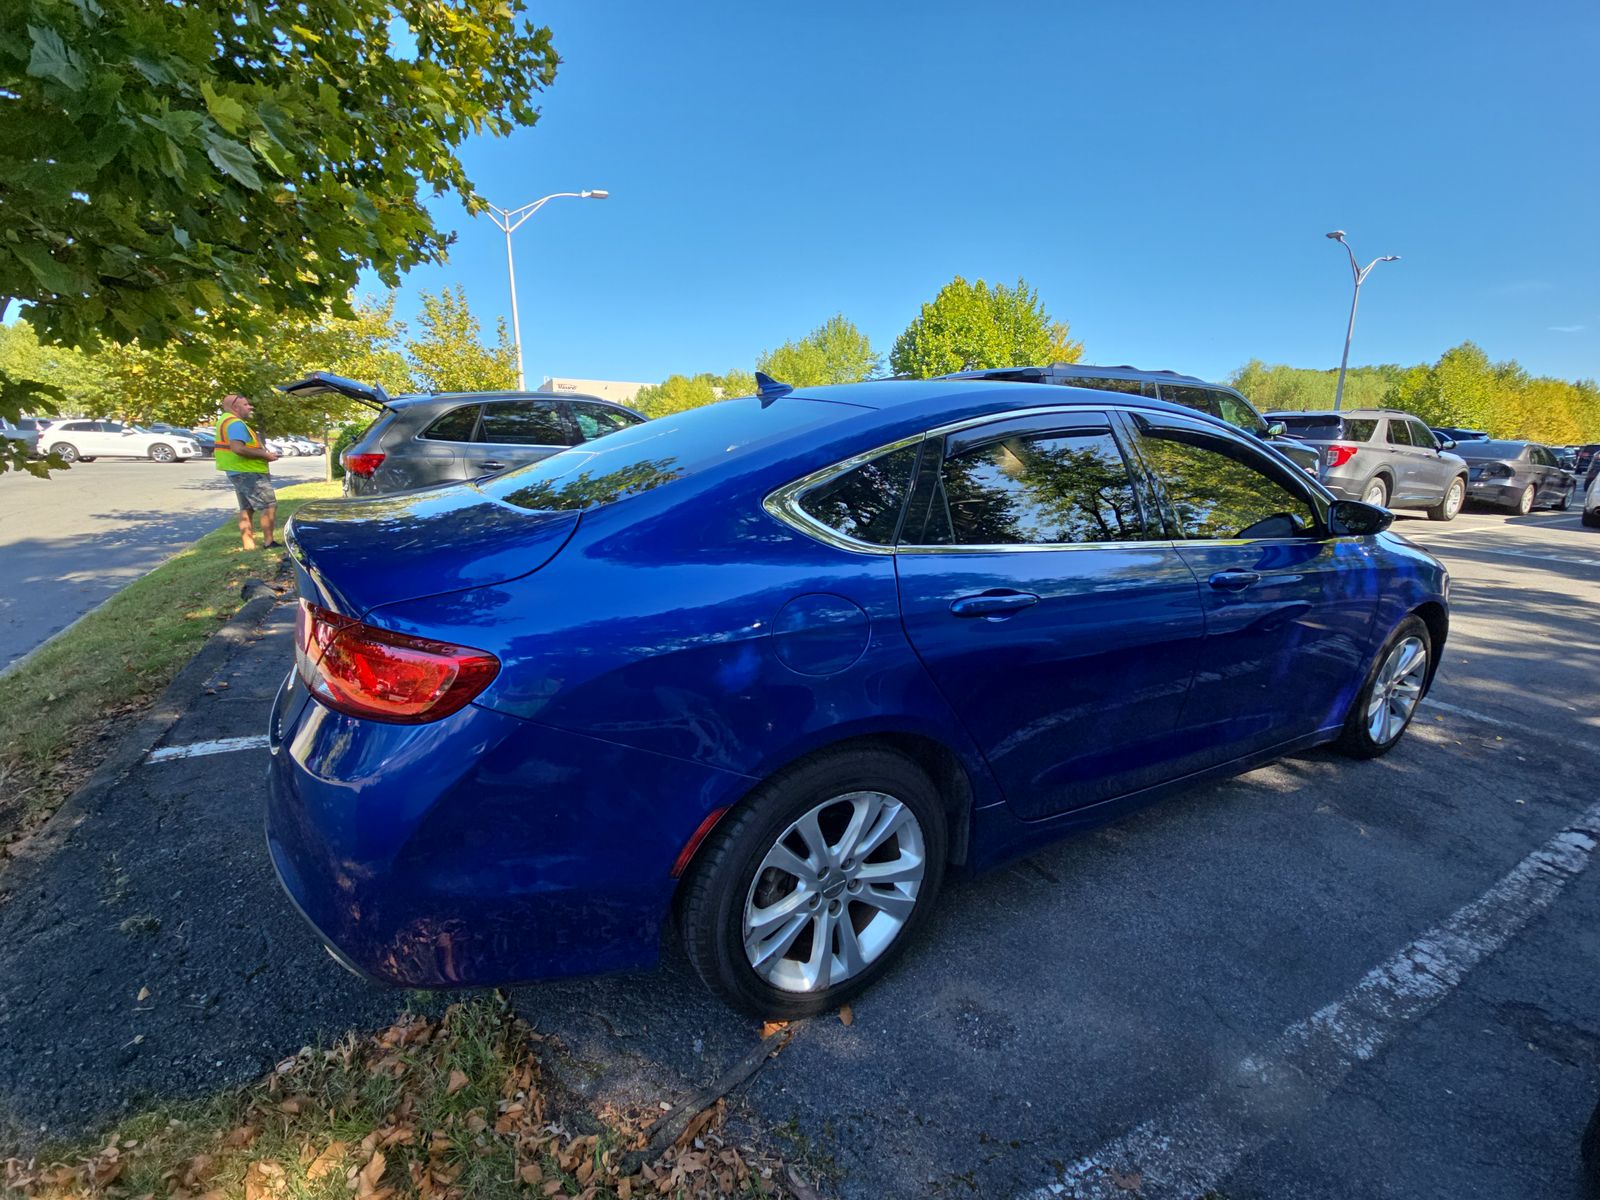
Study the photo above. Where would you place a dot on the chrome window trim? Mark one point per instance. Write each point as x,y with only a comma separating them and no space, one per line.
783,502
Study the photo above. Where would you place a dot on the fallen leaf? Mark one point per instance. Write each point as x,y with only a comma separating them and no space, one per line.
772,1027
531,1174
367,1178
847,1015
458,1080
144,994
327,1161
291,1106
241,1137
624,1189
1131,1182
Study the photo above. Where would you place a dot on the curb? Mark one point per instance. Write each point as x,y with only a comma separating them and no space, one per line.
175,700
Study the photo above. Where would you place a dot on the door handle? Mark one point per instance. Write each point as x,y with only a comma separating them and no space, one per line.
492,465
1234,581
993,604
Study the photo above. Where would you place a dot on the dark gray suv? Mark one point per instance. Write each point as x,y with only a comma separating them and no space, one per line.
1383,456
446,437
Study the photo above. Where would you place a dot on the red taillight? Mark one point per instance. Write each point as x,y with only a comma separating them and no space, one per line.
1339,455
369,672
362,464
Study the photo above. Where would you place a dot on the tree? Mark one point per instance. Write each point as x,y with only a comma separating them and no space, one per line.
971,325
449,355
172,167
678,393
834,352
1303,389
82,379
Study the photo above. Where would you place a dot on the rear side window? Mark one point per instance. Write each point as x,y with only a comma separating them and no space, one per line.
595,420
1360,429
1050,488
1399,433
864,503
525,423
1129,387
1200,399
1218,489
1316,426
455,426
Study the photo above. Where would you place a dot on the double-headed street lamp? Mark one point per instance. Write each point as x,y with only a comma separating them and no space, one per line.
1360,274
510,220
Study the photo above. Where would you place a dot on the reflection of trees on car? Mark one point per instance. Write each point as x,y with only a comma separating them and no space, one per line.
1213,495
582,490
1044,491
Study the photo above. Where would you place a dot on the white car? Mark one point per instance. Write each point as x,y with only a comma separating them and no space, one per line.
1591,503
76,440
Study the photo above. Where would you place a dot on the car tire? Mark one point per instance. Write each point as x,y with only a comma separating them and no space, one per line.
1376,492
1450,503
162,453
1591,517
1524,504
1589,1150
67,452
1389,696
733,877
1566,499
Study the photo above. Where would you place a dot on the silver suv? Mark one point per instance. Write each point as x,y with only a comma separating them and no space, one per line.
1383,456
447,437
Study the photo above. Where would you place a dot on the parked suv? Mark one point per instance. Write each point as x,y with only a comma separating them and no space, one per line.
89,440
448,437
1385,457
1211,398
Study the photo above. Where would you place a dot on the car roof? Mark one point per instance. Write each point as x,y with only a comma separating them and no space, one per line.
1084,371
1343,412
944,398
412,399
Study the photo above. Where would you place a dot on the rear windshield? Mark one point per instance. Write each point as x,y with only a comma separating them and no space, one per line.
1490,449
643,457
1311,425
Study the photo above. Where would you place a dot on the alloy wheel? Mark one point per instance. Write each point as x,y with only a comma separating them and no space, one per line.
1377,493
834,891
162,454
1525,501
65,451
1454,498
1397,690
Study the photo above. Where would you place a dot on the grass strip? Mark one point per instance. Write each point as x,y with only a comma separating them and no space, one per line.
441,1110
58,708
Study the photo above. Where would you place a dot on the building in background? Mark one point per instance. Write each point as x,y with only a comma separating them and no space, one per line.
614,390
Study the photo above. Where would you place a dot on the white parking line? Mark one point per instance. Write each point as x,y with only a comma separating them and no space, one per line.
1499,722
1573,559
201,749
1193,1146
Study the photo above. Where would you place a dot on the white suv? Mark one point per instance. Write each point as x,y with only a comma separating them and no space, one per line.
1591,502
88,440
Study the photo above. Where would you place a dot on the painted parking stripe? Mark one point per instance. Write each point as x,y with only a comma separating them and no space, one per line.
1504,552
202,749
1498,722
1192,1147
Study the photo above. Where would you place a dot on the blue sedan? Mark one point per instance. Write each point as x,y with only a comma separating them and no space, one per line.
775,666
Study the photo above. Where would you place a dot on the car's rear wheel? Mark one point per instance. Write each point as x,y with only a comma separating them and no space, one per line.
1591,517
1450,504
1377,493
1388,699
1524,502
809,889
162,453
65,451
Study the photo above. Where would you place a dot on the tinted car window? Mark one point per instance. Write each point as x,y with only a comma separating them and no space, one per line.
455,426
594,420
525,423
1360,429
1399,434
1487,449
1041,489
1200,399
1236,412
78,426
1216,489
1129,387
1421,435
1316,426
865,503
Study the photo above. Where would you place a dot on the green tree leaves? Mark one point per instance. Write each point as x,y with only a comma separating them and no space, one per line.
678,393
449,354
969,326
834,352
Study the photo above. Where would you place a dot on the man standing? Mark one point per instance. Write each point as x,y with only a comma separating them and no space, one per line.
240,453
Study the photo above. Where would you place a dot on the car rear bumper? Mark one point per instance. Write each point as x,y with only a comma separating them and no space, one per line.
479,850
1495,491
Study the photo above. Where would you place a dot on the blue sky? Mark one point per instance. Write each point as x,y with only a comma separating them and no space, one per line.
1162,173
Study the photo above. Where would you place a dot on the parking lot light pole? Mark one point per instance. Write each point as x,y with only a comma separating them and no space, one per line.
1360,274
510,220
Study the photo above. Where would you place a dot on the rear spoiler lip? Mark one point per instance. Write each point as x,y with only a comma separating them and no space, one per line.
322,383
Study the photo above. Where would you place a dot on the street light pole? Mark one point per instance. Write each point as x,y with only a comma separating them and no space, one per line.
510,220
1360,274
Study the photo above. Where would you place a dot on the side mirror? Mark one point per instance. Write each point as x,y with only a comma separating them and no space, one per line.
1277,429
126,432
1353,518
1447,443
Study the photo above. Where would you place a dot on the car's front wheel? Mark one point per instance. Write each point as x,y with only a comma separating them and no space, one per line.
810,888
1389,697
1450,505
162,453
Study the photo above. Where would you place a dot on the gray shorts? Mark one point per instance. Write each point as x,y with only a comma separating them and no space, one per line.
254,489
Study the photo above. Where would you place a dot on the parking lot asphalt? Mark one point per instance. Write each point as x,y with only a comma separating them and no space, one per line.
1322,979
75,539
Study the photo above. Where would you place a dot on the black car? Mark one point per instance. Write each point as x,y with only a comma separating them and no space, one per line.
1517,476
1460,435
1212,398
204,438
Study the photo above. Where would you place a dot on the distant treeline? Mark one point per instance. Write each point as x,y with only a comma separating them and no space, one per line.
1462,389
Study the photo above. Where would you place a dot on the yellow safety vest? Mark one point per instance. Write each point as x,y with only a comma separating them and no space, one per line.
227,460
